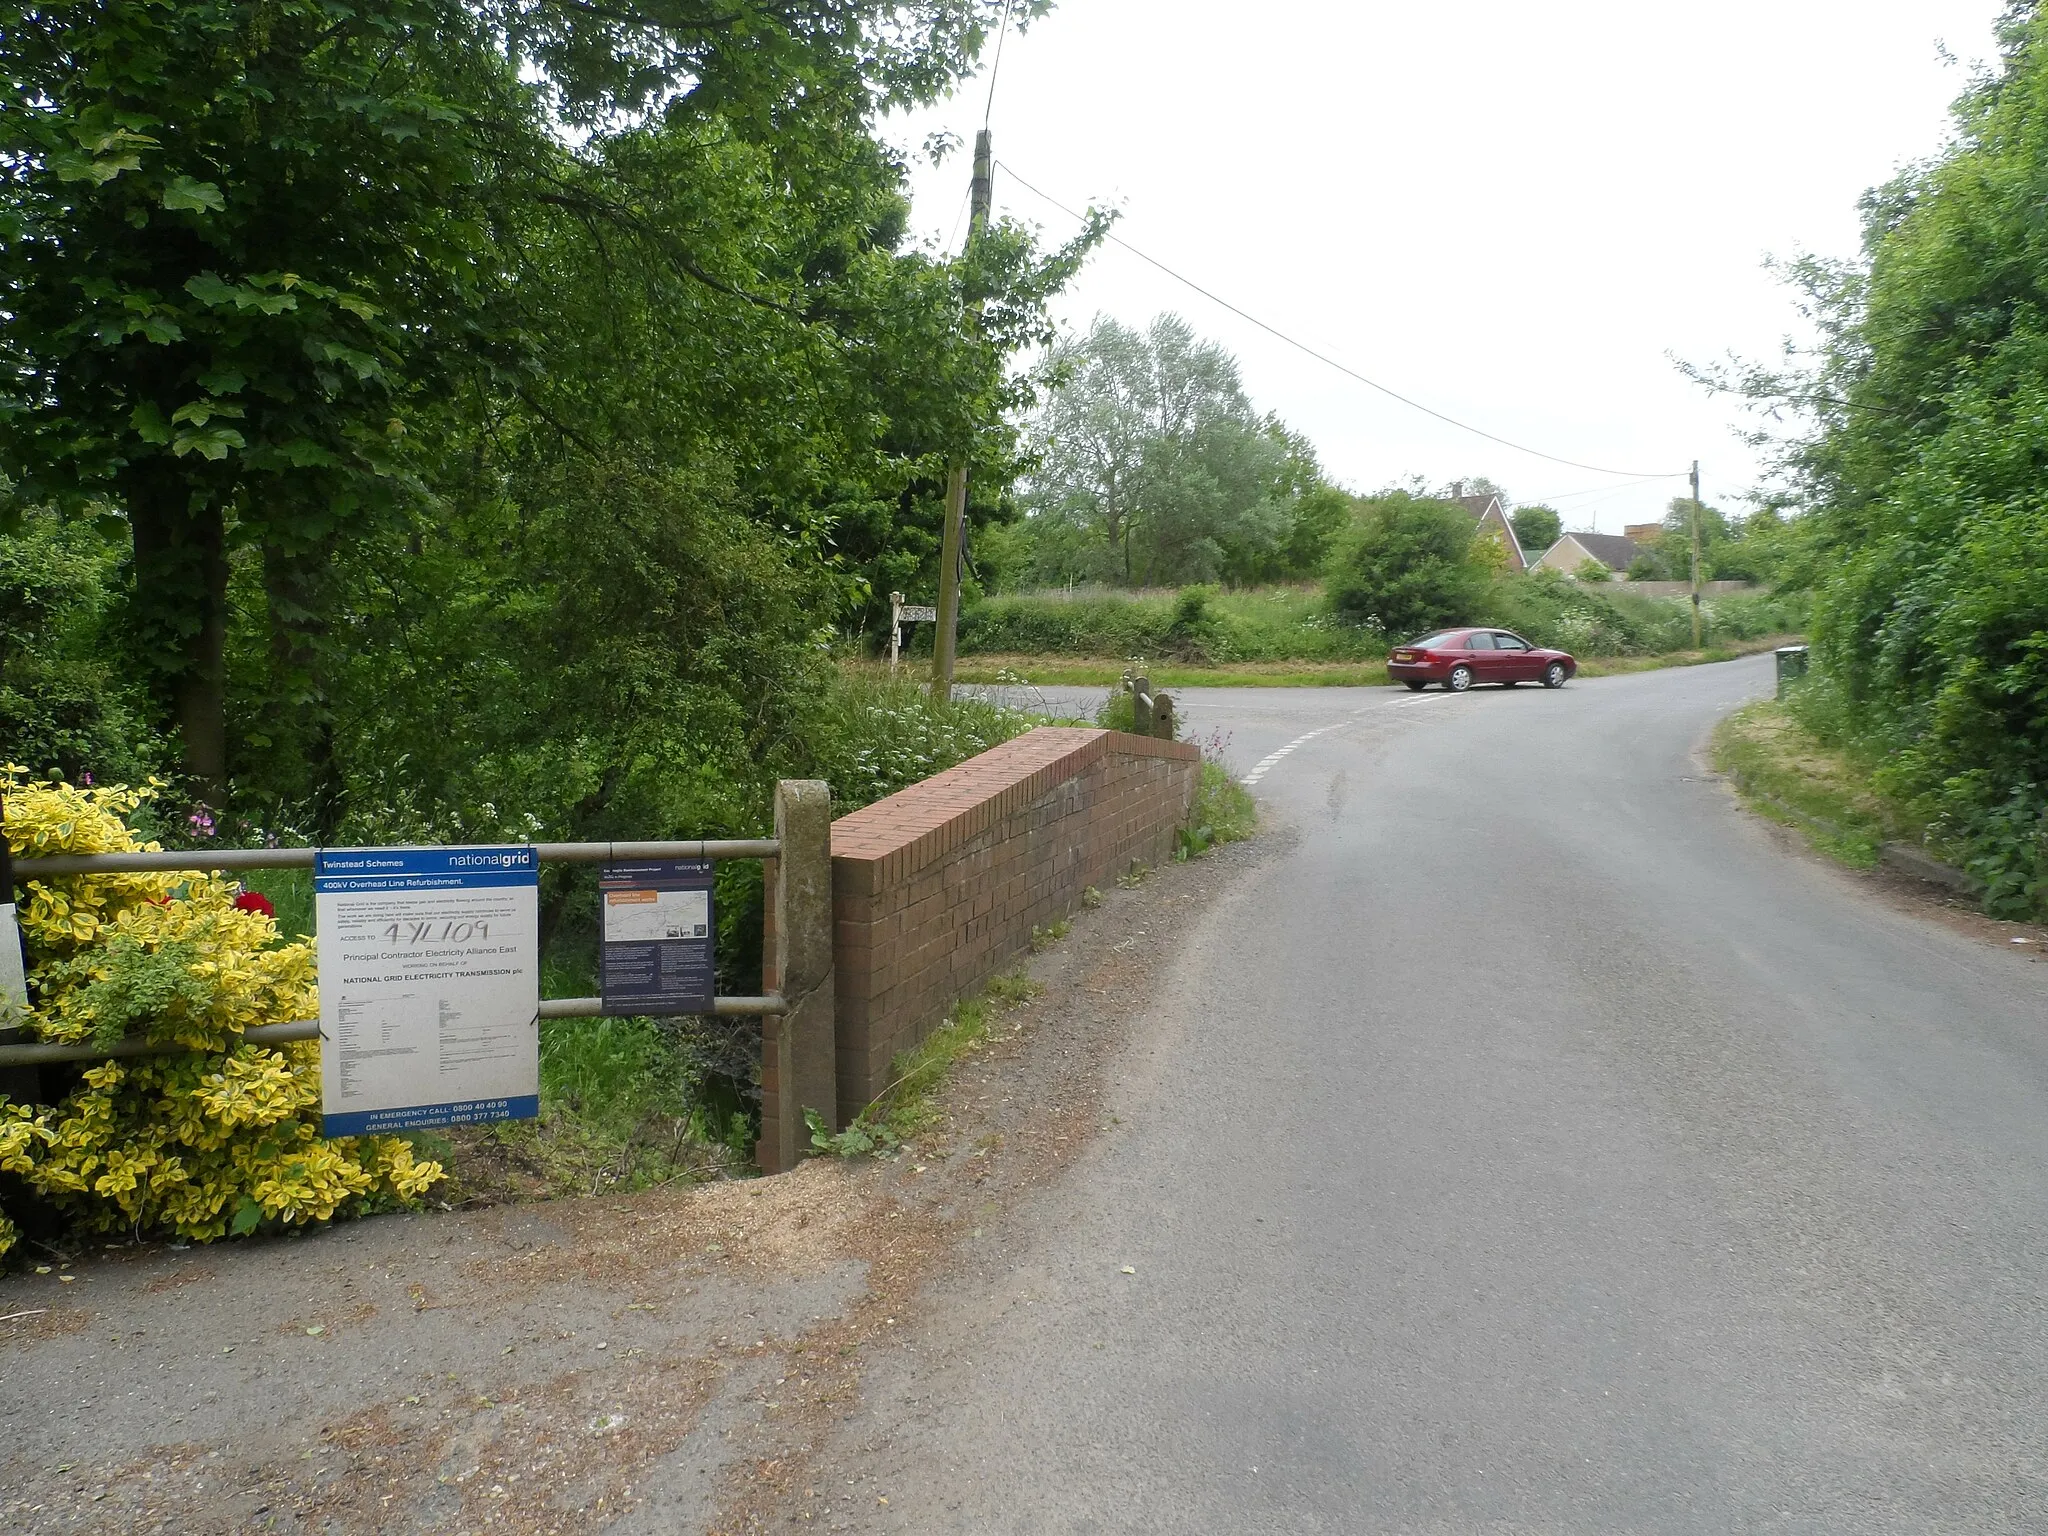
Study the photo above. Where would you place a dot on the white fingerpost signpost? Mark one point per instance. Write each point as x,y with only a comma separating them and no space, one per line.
429,986
902,613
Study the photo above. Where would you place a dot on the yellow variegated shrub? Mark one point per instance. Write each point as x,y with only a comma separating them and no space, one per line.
220,1135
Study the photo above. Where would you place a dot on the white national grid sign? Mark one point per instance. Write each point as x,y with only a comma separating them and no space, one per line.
429,986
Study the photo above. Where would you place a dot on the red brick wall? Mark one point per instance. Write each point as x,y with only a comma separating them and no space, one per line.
938,887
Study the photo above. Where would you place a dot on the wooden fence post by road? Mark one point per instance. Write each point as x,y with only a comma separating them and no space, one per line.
799,1047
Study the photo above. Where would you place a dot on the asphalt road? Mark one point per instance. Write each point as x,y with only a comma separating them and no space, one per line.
1528,1144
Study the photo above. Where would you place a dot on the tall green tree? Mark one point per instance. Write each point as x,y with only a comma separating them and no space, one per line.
251,252
610,611
1152,466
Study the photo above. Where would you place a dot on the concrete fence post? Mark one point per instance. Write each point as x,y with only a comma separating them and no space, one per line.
1162,716
799,1049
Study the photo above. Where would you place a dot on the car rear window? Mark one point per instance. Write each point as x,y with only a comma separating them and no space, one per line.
1429,641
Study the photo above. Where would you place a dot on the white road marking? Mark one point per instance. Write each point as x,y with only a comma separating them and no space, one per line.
1272,760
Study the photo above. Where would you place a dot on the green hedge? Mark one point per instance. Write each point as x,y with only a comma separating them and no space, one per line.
1609,620
1202,625
1197,624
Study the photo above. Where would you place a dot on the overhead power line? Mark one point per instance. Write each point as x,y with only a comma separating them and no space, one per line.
1597,490
1331,362
996,68
955,235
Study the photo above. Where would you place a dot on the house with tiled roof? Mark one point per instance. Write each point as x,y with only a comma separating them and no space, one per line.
1492,517
1575,549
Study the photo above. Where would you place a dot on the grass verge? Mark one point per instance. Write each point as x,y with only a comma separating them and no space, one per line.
1786,773
907,1106
1094,672
1223,812
1733,650
1100,672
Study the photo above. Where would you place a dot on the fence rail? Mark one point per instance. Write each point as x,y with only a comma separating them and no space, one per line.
1151,713
196,860
798,1063
43,1054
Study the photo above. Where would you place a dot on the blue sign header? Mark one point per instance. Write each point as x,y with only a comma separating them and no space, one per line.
424,869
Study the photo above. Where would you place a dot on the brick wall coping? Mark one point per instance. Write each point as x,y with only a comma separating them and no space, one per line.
920,823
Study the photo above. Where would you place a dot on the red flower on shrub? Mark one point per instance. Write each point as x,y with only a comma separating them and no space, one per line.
252,901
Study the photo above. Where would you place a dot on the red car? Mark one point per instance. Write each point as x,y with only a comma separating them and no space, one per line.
1458,658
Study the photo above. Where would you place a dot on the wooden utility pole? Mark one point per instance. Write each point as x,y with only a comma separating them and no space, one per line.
1695,554
982,195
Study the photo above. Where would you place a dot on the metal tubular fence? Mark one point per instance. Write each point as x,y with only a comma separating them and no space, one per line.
196,861
1151,713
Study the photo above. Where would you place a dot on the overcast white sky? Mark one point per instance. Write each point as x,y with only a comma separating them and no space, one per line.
1510,212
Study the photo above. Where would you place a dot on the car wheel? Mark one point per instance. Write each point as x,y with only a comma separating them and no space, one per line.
1553,675
1461,679
1415,687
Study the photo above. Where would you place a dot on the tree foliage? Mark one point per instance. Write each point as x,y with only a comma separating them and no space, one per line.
1153,467
1537,527
1764,547
66,708
274,276
1408,567
1922,472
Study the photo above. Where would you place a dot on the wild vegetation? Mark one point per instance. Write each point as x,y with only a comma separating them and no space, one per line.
389,353
475,422
1148,465
1202,624
1401,566
1917,456
1790,762
1765,547
907,1106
